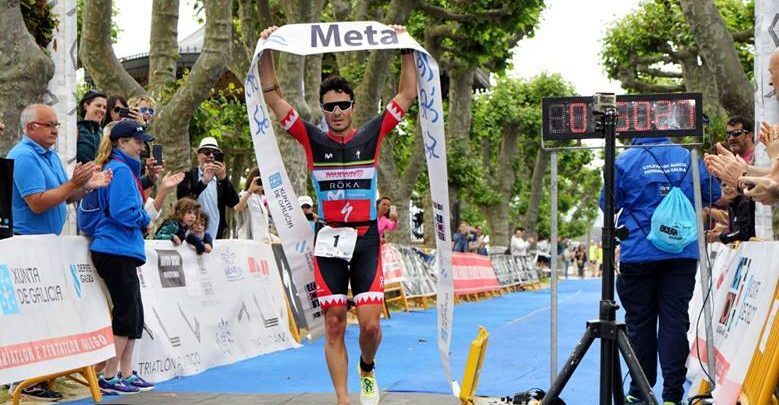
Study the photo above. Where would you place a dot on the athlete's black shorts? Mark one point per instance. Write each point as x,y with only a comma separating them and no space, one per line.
364,274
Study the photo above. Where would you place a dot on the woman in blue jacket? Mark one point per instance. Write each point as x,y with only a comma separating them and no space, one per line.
118,249
654,285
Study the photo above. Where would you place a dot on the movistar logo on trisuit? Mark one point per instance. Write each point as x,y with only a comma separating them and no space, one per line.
324,35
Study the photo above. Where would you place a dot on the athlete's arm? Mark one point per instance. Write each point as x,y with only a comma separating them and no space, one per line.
407,87
270,84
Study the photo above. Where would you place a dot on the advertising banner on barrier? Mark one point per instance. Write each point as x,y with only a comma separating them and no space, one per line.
392,264
6,188
53,311
473,274
209,310
744,281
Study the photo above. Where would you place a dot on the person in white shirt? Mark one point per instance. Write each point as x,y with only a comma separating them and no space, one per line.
519,245
251,212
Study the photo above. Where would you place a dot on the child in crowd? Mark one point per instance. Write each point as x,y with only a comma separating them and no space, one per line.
198,237
175,227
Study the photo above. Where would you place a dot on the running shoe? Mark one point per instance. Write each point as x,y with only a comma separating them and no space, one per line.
136,381
369,390
41,392
633,400
116,385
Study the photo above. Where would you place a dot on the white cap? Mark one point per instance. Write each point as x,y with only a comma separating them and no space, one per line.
208,142
304,199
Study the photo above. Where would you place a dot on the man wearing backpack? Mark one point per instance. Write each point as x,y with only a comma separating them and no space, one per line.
658,260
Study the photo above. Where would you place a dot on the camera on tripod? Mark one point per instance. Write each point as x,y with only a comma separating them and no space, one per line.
604,102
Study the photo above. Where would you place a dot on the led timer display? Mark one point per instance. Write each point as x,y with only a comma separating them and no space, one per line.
647,115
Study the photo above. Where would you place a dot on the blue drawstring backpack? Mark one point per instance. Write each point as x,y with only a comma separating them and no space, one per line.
674,223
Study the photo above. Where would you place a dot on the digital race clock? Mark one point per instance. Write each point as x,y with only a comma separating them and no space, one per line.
645,115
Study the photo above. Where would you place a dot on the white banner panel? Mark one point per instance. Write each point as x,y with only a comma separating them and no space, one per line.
209,310
766,105
53,312
294,231
744,282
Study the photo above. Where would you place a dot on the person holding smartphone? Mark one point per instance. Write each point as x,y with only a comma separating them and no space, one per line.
209,185
251,212
387,215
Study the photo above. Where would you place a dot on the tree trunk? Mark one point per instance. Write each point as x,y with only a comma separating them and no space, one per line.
697,79
163,49
497,220
313,68
502,181
530,221
173,119
458,127
97,52
718,51
25,71
369,91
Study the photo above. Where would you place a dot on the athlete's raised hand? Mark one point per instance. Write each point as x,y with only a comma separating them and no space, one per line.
268,31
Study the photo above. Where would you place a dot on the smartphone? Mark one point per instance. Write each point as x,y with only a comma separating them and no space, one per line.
393,209
156,153
124,112
219,156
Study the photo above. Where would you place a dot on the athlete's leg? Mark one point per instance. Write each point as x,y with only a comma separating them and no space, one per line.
367,279
332,285
370,331
335,351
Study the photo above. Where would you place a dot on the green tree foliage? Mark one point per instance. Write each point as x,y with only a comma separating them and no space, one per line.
653,50
511,112
651,45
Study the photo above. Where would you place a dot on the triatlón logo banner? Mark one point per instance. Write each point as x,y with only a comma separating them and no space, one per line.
308,39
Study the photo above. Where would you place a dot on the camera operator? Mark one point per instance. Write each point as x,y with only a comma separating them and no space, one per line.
208,184
653,284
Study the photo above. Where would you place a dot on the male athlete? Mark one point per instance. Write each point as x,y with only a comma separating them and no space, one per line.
343,163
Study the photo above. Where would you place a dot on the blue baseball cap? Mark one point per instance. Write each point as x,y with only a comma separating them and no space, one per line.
127,128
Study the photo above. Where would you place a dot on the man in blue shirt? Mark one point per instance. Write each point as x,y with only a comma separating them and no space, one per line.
654,284
41,187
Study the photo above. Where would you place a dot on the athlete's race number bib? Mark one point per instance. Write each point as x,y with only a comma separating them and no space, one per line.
336,242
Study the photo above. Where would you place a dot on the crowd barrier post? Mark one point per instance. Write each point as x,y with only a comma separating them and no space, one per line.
87,372
762,378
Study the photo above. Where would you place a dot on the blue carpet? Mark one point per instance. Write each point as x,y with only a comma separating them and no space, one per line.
517,355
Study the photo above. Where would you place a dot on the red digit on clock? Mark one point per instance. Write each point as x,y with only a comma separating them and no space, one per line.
623,121
664,119
642,116
580,115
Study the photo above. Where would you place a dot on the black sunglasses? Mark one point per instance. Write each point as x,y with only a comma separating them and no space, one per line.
342,105
209,152
735,133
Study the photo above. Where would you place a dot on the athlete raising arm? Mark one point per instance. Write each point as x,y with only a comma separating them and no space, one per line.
343,162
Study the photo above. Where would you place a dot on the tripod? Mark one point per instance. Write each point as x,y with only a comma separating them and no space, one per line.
612,334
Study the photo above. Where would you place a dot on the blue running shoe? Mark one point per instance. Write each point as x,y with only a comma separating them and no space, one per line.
116,385
136,381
